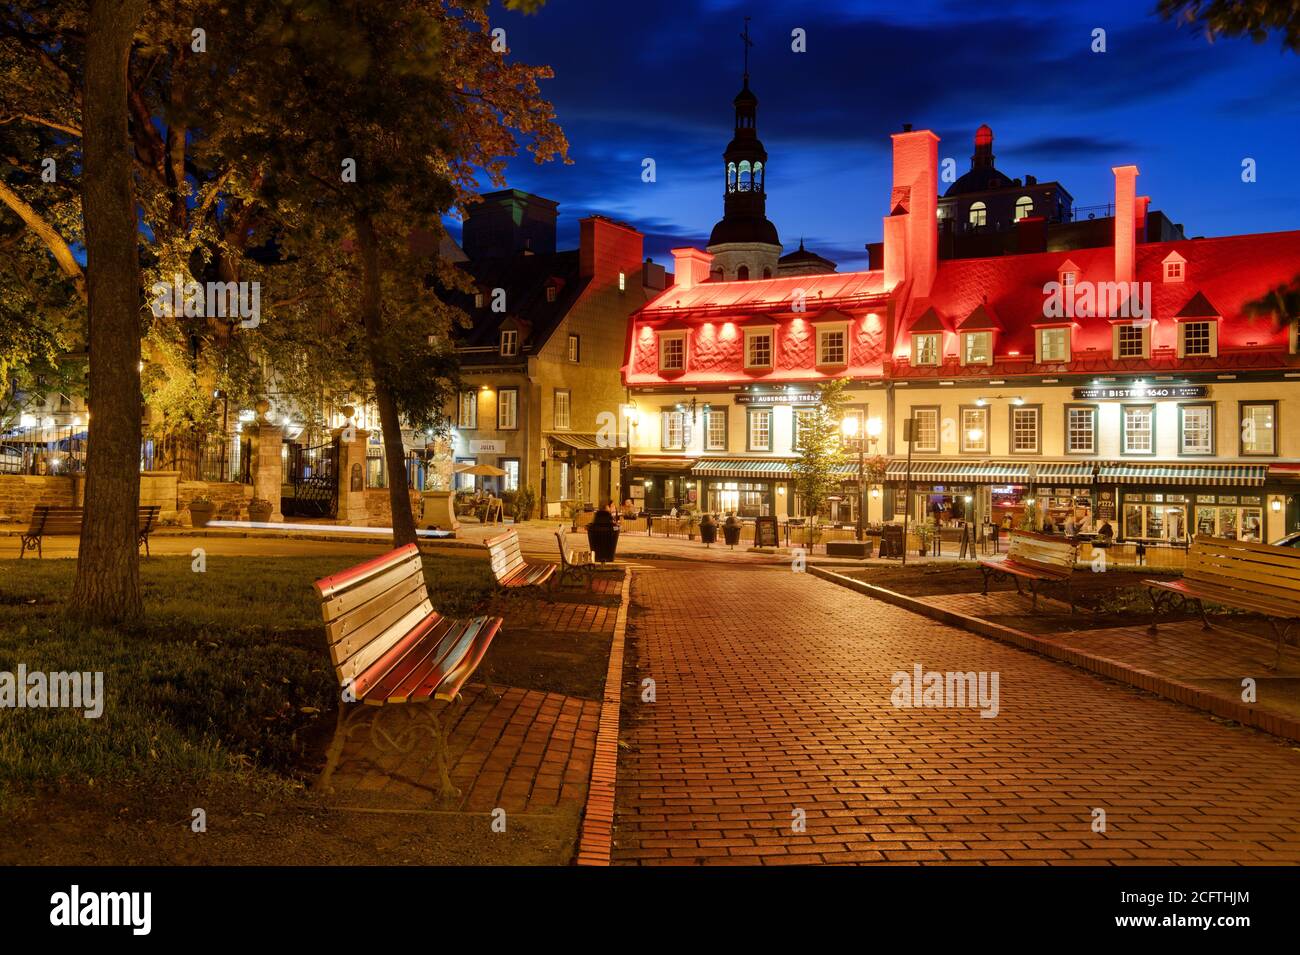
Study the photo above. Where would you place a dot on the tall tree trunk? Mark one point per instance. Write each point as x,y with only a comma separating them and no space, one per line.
373,318
107,588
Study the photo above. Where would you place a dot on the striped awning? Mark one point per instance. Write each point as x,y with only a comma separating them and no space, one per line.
588,443
960,472
1075,471
1203,475
766,468
659,464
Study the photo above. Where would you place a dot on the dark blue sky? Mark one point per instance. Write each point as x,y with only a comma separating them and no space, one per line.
656,80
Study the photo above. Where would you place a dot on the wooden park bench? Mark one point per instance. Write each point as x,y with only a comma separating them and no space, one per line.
388,645
49,520
579,563
1034,559
510,569
1255,577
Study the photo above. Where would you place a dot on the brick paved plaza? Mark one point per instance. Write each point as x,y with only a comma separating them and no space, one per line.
773,695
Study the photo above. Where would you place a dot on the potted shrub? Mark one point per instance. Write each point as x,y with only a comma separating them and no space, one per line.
201,511
731,530
259,510
708,529
924,532
691,520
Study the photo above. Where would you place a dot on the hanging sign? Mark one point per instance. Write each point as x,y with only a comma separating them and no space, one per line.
780,398
1141,391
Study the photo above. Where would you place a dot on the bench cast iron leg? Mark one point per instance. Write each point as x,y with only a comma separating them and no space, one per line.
1205,620
985,572
343,727
1281,631
442,727
1155,612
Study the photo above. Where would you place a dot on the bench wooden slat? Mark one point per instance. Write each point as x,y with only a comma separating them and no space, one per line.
1215,565
510,568
416,664
356,631
478,637
1241,599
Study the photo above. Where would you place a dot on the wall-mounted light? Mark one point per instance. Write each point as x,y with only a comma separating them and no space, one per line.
780,489
873,428
875,493
1276,505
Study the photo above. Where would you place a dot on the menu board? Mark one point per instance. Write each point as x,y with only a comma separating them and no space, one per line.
765,532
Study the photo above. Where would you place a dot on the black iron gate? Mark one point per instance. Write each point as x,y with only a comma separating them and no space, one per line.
312,481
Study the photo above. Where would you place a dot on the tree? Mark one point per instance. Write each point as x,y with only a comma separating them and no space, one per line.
1256,18
817,470
1281,303
107,586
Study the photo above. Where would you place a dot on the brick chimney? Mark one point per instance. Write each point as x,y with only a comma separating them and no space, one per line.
1125,222
691,267
1143,207
912,245
606,247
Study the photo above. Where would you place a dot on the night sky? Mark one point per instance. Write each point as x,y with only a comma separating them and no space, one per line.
637,80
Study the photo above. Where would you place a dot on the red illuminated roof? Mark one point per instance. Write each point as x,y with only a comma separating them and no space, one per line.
776,293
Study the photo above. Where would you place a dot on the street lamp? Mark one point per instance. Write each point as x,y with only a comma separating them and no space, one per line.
850,428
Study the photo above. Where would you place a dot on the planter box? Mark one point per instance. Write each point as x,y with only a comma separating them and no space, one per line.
861,549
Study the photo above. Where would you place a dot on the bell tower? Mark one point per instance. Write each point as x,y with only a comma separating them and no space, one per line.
744,243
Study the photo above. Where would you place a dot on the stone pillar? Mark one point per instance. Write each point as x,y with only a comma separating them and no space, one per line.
352,476
268,470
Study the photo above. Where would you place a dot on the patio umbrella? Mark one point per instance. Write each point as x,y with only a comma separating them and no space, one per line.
482,470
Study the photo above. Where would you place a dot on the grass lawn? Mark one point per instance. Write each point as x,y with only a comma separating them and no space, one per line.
223,696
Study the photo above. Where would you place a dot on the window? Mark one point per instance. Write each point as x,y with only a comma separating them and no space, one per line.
1081,430
1258,427
507,409
672,351
742,274
1139,429
925,430
1067,279
1196,425
830,346
1174,269
1131,341
467,413
758,349
478,299
552,293
860,432
575,349
622,281
1025,429
1197,338
975,430
977,348
803,418
715,430
1053,345
562,409
510,482
978,214
673,431
1024,207
509,342
925,349
760,429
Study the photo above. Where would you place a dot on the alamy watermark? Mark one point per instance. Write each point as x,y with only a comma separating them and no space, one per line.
38,690
1097,300
946,690
242,300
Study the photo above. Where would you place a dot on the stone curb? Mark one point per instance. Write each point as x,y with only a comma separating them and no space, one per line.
1286,727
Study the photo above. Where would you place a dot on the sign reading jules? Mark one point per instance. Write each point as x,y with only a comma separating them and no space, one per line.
1125,392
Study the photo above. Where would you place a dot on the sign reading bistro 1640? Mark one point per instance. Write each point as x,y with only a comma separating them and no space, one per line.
1141,391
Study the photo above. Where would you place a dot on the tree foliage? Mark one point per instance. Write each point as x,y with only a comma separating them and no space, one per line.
821,448
1257,19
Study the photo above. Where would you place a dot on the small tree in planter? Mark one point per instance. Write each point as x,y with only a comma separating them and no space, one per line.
259,510
821,452
690,520
201,511
524,503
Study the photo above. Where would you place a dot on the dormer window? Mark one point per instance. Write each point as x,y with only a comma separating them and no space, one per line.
672,351
1067,274
977,348
758,348
1174,267
1132,340
832,345
1053,345
925,349
509,342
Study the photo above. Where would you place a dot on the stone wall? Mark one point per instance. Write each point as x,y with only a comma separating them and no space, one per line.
20,493
159,487
230,498
380,512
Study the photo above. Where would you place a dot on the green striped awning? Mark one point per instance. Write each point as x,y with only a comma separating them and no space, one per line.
1075,471
768,468
961,472
1205,475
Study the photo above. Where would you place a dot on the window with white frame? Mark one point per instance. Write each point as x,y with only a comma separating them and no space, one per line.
510,482
673,431
1259,427
860,435
467,413
1197,339
1196,424
562,404
509,342
672,351
1174,270
977,348
758,348
1053,344
1131,341
1024,207
975,430
760,429
1081,430
1139,431
552,293
1068,278
507,409
575,349
925,349
831,346
979,214
925,430
803,418
1025,430
715,430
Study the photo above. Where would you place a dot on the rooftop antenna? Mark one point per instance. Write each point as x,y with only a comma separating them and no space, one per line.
748,43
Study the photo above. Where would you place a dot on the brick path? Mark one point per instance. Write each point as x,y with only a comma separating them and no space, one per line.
773,695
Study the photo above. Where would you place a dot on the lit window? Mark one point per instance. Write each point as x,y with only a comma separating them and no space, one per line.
561,409
1139,429
1024,207
1024,430
760,429
975,430
672,352
510,482
575,349
1173,271
672,437
803,419
977,348
978,214
509,342
925,429
1081,430
758,349
467,414
830,347
552,293
1130,341
1259,428
715,432
1197,429
507,409
1067,279
622,281
478,299
1053,344
925,349
1197,339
